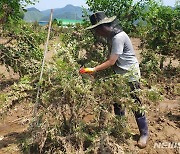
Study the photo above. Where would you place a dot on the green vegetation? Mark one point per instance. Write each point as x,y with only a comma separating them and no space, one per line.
12,10
21,50
33,15
160,37
126,11
68,98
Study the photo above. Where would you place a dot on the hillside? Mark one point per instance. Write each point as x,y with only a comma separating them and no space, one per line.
67,12
32,15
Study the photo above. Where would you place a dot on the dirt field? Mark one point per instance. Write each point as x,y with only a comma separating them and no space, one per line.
163,119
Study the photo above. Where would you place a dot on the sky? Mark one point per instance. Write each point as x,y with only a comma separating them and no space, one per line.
51,4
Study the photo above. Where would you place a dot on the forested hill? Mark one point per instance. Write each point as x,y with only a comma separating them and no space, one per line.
32,15
67,12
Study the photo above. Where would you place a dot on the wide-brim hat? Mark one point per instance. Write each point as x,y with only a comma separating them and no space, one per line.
99,18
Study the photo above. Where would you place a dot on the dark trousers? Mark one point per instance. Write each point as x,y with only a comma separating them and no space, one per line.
118,108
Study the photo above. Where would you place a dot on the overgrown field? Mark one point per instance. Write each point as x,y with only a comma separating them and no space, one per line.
73,113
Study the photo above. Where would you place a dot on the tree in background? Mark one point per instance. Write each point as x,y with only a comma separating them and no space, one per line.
126,11
19,48
162,29
12,9
159,31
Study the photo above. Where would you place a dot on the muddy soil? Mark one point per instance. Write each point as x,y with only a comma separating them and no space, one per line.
163,120
13,128
164,127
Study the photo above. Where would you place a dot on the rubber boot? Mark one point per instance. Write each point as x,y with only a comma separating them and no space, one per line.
143,129
118,110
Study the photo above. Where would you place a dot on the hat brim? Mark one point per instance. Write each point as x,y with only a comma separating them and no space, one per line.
104,21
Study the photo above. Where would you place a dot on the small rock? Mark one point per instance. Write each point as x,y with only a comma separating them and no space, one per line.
1,138
159,128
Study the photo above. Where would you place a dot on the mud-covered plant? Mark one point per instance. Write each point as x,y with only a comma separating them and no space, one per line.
19,92
150,64
21,50
75,111
67,98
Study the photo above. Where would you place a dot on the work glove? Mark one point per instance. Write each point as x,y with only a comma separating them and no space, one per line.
86,70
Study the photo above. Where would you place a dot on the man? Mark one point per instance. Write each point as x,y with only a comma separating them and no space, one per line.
123,60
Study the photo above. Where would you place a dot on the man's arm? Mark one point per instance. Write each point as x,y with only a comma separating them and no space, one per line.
110,62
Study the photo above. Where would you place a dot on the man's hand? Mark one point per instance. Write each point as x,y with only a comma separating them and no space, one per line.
86,70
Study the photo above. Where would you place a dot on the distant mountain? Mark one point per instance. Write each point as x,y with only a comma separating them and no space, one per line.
33,9
33,15
67,12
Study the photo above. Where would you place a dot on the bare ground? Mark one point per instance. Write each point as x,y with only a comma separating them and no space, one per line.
163,119
13,129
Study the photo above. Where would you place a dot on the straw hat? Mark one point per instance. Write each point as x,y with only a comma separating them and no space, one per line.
99,18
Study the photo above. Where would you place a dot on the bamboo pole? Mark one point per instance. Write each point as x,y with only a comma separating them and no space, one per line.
42,68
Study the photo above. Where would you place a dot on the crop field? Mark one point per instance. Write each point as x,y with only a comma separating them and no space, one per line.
66,112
